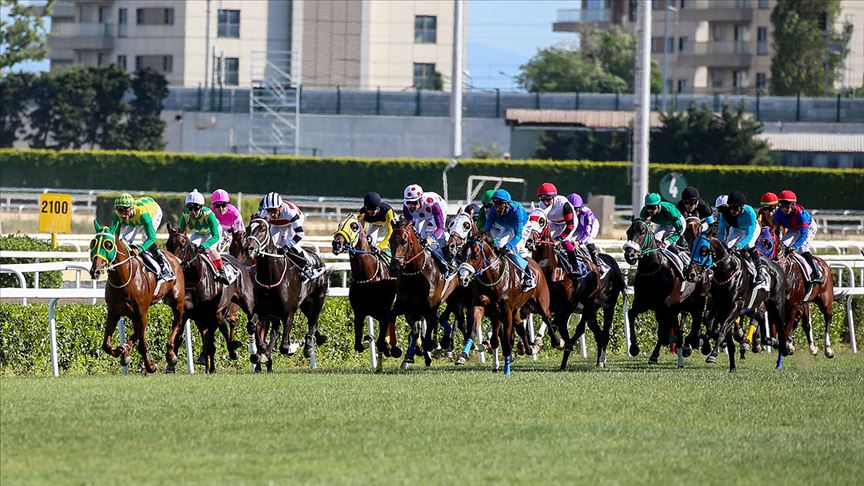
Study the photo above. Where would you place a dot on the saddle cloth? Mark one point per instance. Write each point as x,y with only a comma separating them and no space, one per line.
581,269
679,261
230,271
152,265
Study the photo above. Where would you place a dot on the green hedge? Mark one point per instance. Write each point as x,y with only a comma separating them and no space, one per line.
24,347
160,171
47,280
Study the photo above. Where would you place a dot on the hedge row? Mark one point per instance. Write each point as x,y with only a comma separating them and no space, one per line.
159,171
47,280
24,347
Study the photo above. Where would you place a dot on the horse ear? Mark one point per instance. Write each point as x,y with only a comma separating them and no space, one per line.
458,211
96,225
171,228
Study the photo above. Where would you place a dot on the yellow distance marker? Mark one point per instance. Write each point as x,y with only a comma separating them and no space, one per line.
55,215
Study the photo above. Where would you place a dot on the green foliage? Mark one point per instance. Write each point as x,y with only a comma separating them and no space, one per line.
604,63
698,136
47,280
583,144
145,128
491,151
802,50
22,32
14,90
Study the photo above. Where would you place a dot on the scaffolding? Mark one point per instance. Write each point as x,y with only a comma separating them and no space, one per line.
274,104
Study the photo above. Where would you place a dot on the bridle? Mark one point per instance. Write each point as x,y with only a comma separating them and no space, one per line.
648,244
111,265
410,241
488,264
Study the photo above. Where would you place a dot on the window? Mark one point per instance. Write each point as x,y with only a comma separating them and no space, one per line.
424,75
717,79
656,44
104,15
670,44
154,16
718,32
169,16
682,4
232,70
229,23
740,79
683,44
121,61
763,4
682,85
760,80
762,40
425,29
164,64
631,11
101,59
122,28
167,64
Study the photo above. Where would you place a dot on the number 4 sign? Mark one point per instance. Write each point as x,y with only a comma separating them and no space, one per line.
55,213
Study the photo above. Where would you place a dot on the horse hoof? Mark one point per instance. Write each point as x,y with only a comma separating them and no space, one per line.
235,345
169,370
405,365
790,350
653,360
361,347
320,340
201,360
757,348
495,370
262,358
686,351
634,350
171,360
813,350
680,366
705,349
254,359
742,353
711,359
125,360
461,360
601,365
829,353
395,351
307,351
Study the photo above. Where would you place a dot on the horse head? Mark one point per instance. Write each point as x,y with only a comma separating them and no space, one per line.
692,229
257,237
701,257
461,228
472,257
103,250
537,229
404,244
347,234
179,244
640,241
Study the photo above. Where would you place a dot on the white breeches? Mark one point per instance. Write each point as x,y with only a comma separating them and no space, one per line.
736,236
130,233
791,236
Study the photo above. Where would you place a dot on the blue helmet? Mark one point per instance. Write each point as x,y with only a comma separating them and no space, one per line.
502,195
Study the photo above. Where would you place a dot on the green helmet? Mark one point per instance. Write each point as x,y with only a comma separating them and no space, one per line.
487,196
652,199
124,201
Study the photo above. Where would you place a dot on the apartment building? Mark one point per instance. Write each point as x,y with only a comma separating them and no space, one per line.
355,44
712,46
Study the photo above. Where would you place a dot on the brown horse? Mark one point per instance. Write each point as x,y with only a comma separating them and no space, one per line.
420,288
497,293
209,302
373,290
279,293
130,291
800,292
570,293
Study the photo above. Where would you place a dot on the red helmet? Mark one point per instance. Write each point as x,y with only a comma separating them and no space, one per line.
768,199
547,189
788,195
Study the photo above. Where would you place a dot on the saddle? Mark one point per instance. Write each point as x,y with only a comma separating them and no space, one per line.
805,267
679,261
581,269
152,265
230,271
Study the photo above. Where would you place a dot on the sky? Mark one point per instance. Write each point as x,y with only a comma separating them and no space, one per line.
502,35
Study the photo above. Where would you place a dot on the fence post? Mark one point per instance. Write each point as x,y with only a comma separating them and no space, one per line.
221,95
497,103
758,114
338,100
201,97
577,100
617,100
187,334
798,107
417,103
378,101
837,115
536,100
300,98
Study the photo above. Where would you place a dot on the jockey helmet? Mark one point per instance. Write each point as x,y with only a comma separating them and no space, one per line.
788,195
575,200
487,196
220,196
547,189
768,199
473,209
372,200
736,199
501,195
652,199
721,201
690,193
413,193
195,197
124,201
272,200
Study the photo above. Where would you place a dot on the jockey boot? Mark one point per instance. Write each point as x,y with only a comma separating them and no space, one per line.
221,276
757,262
305,266
592,250
816,273
573,260
166,274
528,281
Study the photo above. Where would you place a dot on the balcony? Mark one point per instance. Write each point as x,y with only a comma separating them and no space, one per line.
718,11
74,36
567,17
716,54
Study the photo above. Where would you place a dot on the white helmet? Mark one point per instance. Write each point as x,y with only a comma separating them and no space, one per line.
413,193
721,201
195,197
272,200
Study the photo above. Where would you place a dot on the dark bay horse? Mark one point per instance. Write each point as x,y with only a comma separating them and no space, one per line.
733,295
659,287
279,293
373,290
570,293
462,228
420,288
208,302
497,293
130,291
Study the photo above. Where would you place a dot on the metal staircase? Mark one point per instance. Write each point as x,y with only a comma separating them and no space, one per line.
274,108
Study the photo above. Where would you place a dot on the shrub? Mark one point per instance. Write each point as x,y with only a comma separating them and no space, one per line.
25,243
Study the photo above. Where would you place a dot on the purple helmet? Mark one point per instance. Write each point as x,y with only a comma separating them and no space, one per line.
575,200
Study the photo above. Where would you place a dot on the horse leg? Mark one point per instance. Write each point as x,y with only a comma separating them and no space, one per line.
140,322
562,321
807,325
110,327
414,333
826,304
495,343
599,339
312,310
730,349
475,332
395,350
507,341
359,345
383,347
633,312
287,325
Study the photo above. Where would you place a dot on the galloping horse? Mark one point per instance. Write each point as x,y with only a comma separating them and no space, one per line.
497,293
209,302
373,289
587,293
130,291
462,228
733,294
420,288
800,293
279,292
659,287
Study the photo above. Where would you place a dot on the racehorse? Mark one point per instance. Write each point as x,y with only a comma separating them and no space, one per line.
733,294
421,288
279,292
130,291
209,302
692,228
800,293
373,290
497,293
570,293
462,228
659,287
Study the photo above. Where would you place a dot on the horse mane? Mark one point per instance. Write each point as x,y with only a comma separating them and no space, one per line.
718,248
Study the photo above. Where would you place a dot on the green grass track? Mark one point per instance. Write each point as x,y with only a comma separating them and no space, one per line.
628,424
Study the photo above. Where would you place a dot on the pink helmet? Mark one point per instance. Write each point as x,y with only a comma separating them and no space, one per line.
219,195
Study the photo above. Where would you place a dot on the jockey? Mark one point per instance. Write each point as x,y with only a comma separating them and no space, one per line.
227,215
670,223
560,215
205,231
474,210
505,225
692,205
587,226
768,206
427,211
800,229
140,216
379,215
286,230
485,208
738,228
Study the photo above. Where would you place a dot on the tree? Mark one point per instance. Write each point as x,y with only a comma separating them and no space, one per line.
64,100
22,33
106,124
14,93
605,63
807,55
583,144
144,126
